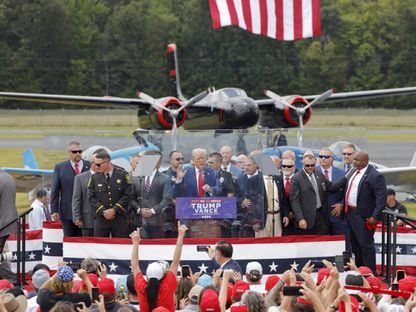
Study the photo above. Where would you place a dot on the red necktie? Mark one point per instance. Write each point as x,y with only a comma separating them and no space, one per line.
147,184
225,169
349,190
326,174
76,168
201,191
287,186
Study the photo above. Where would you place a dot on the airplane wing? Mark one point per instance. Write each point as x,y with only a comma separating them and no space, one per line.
401,179
105,101
28,179
361,95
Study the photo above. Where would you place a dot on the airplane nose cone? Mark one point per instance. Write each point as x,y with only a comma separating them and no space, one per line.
243,113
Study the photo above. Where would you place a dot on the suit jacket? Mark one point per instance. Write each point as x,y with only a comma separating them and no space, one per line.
81,209
189,188
225,179
8,210
62,188
334,197
303,198
372,194
235,171
159,198
283,200
252,188
230,265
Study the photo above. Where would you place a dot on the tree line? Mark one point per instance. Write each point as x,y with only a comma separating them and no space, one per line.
114,47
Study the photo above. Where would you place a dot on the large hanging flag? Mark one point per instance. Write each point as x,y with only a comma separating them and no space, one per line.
278,19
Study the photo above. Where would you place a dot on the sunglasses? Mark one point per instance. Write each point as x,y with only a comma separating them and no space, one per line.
347,154
325,156
310,166
287,166
76,152
179,159
99,165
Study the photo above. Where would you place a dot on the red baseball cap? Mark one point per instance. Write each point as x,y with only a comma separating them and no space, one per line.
5,284
407,284
374,282
106,285
365,270
271,281
239,289
209,301
322,273
93,279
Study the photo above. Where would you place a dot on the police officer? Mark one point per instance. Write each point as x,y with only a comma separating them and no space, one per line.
109,194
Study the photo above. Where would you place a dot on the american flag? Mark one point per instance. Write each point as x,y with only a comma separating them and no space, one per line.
278,19
275,254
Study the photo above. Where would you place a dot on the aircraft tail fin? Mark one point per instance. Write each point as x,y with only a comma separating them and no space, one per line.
29,159
413,161
173,69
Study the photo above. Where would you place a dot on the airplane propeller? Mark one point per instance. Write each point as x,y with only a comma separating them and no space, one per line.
299,110
174,113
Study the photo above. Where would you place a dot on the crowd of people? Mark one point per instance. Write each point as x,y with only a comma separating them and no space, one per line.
165,286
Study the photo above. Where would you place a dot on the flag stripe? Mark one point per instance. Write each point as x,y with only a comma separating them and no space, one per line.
297,19
233,12
215,14
263,18
316,17
307,29
247,15
279,19
239,9
271,18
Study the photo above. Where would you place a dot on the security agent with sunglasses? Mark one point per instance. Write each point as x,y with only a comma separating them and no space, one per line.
109,194
308,199
62,188
337,220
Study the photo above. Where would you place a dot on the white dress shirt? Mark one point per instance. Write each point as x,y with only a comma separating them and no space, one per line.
353,184
36,216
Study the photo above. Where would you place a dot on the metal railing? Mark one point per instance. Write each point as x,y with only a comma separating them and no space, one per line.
21,247
389,241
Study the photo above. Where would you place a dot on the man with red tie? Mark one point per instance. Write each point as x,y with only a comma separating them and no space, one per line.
288,170
62,188
198,180
365,198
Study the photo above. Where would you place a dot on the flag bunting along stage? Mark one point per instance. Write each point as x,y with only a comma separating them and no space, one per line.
275,254
278,19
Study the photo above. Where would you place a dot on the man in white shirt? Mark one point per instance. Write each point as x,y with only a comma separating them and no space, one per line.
40,212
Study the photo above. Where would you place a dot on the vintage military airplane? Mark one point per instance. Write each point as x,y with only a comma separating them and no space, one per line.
227,108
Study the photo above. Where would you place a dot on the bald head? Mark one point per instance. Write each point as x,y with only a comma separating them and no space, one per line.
360,160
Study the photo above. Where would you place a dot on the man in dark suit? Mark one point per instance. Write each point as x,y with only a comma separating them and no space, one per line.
251,200
151,197
337,220
222,255
199,180
8,220
308,199
63,186
288,220
82,212
109,195
365,198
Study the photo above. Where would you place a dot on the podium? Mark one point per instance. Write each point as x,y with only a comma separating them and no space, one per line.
205,215
205,228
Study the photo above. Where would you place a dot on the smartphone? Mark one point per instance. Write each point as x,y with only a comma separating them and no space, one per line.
95,293
400,274
74,266
292,291
299,278
339,263
347,256
317,264
202,248
186,271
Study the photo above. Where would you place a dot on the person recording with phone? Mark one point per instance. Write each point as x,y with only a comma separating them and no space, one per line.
221,256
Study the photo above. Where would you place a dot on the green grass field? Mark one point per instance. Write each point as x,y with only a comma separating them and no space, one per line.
35,124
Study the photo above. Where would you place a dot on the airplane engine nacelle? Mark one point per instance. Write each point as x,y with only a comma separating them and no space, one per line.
291,116
165,119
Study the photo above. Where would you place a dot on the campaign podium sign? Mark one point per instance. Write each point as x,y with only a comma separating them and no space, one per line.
196,208
205,215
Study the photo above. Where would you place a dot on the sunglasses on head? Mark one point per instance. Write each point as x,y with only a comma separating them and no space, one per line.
310,166
325,156
347,154
179,159
287,166
77,152
99,165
